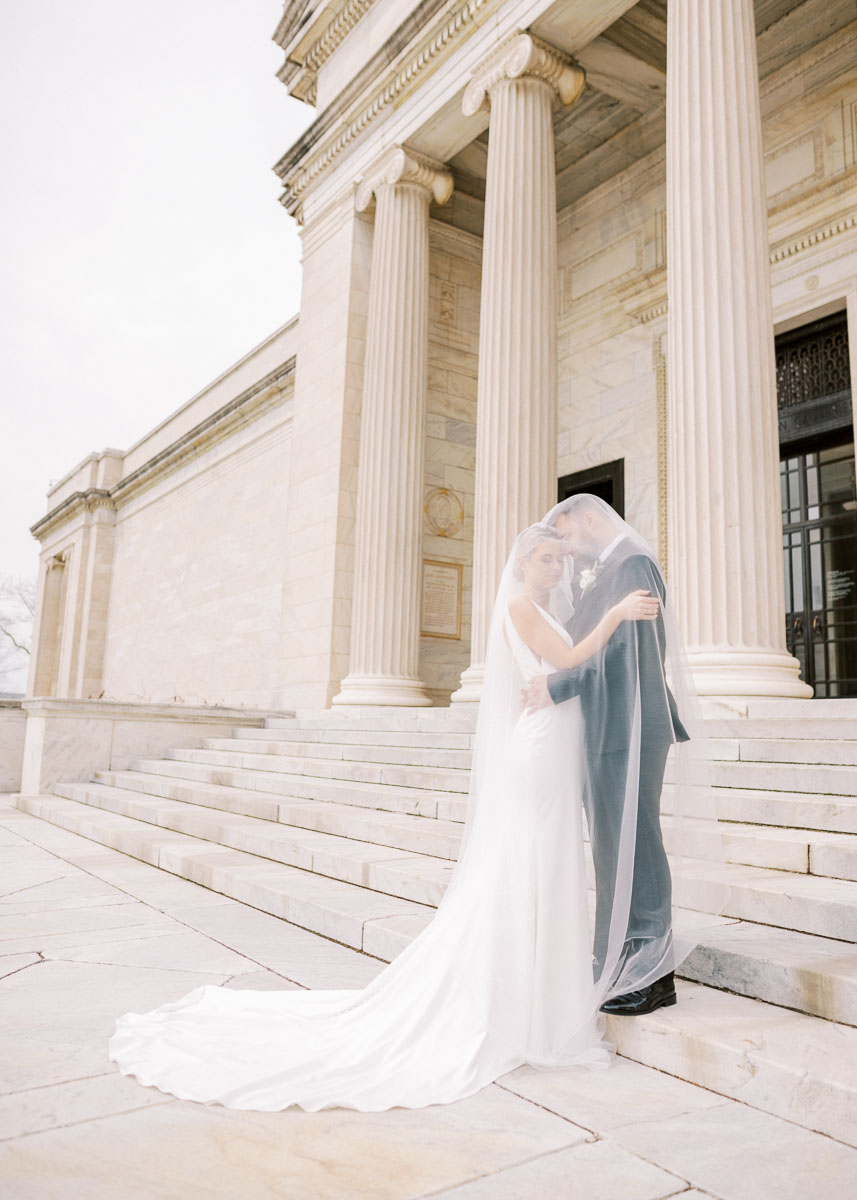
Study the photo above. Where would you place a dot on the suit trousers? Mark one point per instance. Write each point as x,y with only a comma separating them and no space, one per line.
651,893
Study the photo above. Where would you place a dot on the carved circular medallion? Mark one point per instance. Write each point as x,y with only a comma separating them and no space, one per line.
444,512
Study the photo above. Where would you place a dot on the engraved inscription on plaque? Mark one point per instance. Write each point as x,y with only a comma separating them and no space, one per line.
441,599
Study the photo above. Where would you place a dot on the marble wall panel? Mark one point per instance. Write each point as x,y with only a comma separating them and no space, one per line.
450,454
194,611
12,724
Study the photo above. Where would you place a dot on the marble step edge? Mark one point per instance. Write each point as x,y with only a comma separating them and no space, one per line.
811,728
449,779
809,904
813,753
820,779
343,912
790,1064
407,874
355,827
786,968
816,750
402,756
386,719
835,814
831,855
784,810
400,739
420,801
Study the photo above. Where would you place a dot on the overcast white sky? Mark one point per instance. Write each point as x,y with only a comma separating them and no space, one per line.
142,248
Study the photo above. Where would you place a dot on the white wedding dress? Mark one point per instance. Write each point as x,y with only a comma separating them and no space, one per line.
502,976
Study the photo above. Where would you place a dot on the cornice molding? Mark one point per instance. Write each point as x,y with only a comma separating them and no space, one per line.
519,56
299,170
816,237
250,404
301,75
398,164
335,34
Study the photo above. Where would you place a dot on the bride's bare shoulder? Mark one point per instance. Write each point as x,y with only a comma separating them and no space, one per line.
521,606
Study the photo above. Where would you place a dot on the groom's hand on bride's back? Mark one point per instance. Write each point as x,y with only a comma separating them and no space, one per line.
536,695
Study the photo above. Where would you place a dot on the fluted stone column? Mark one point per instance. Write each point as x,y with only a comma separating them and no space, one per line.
516,412
385,623
723,450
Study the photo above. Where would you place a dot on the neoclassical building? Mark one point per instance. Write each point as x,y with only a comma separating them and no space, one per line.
548,245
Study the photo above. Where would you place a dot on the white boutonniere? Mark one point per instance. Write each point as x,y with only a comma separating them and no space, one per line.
589,577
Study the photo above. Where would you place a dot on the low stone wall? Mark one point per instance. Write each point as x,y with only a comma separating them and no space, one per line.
67,739
13,722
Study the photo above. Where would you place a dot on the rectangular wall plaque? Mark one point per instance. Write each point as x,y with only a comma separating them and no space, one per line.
441,599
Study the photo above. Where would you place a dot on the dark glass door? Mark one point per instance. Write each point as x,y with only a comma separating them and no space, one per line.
819,502
606,481
820,558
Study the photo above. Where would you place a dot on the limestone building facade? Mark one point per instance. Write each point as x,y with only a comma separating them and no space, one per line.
547,245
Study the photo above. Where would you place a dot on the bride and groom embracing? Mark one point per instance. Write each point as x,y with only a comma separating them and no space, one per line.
585,696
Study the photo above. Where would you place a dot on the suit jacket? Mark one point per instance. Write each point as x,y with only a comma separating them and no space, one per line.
607,681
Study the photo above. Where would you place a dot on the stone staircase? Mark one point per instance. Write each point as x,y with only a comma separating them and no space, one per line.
348,824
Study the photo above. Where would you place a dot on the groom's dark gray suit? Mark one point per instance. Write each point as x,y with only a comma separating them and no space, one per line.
607,685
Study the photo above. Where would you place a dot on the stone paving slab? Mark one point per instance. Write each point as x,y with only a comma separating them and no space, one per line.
72,1126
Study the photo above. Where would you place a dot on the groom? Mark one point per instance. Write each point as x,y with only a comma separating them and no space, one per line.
608,685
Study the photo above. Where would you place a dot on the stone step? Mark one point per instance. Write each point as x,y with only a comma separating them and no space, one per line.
832,752
345,912
806,903
399,831
444,805
387,720
790,810
810,778
801,709
786,1063
780,728
392,870
411,756
449,779
814,974
801,851
358,737
810,974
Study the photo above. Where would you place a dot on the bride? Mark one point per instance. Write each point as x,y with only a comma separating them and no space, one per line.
504,973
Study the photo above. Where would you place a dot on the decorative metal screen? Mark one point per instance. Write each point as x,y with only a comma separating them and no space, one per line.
812,362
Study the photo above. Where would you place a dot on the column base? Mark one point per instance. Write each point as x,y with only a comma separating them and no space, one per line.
383,689
470,688
741,673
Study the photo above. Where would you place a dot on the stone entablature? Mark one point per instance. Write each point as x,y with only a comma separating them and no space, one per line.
387,91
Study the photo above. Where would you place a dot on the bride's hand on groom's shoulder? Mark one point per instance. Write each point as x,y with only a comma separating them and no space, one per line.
536,695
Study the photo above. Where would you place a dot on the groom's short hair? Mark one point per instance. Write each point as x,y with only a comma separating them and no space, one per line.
576,506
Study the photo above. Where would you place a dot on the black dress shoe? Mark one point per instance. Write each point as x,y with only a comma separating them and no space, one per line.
660,994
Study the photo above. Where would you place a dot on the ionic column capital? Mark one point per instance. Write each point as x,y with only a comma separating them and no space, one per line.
523,56
397,164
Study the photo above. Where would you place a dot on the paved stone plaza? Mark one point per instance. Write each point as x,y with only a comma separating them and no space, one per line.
86,933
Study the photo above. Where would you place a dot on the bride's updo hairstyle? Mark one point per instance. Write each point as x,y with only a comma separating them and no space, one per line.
526,543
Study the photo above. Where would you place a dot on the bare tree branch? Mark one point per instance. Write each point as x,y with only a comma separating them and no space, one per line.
18,645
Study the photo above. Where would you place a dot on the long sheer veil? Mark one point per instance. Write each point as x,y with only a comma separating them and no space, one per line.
501,975
624,961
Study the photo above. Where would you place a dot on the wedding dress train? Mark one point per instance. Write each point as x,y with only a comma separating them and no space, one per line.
502,976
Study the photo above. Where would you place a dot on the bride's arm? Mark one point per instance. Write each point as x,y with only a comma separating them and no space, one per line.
546,642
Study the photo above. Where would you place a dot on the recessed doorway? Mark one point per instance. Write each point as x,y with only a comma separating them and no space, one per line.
606,481
819,503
